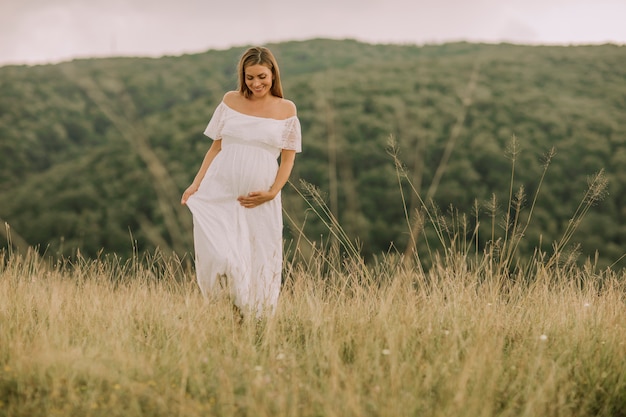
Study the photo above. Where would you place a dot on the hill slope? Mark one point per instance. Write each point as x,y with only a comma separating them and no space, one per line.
95,153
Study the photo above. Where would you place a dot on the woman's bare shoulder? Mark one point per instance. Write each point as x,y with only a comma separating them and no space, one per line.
287,108
231,97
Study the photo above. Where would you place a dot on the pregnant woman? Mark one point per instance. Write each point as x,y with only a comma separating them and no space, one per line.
235,197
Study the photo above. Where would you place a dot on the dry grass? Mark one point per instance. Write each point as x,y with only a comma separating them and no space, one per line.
131,339
449,330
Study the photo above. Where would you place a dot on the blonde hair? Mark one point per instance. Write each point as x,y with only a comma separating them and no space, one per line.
259,55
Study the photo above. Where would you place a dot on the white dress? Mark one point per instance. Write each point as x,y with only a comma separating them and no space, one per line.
236,248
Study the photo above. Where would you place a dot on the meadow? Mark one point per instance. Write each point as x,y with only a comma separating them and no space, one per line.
453,329
108,337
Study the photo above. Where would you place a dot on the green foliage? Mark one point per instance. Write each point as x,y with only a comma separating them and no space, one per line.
79,141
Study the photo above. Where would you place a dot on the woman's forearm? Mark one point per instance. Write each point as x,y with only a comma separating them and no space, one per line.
215,148
287,160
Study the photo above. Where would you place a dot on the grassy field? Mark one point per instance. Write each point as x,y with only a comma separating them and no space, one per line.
111,338
456,331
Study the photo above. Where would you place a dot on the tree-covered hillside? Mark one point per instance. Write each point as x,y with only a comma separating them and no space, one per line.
94,154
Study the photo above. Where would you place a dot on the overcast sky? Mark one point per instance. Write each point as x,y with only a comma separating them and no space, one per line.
41,31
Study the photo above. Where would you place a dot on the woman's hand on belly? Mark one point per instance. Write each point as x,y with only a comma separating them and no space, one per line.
255,198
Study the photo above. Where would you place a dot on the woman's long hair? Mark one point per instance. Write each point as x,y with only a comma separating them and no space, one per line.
259,55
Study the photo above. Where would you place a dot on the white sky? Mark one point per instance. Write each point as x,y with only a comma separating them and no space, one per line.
41,31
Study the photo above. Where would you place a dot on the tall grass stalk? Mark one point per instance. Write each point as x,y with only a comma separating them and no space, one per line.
500,255
334,259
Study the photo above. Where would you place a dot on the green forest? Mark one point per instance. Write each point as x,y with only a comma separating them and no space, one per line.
95,153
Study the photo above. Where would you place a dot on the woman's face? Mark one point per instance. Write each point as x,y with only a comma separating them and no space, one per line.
258,79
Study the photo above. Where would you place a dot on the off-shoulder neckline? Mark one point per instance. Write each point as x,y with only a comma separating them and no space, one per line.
257,117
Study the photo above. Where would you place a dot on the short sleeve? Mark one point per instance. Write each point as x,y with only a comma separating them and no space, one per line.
292,135
216,124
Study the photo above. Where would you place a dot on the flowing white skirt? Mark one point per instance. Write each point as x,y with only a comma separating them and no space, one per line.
238,249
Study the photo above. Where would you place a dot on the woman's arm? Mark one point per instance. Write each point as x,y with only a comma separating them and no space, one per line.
215,148
255,198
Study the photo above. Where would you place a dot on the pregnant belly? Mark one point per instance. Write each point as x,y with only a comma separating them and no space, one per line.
244,169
